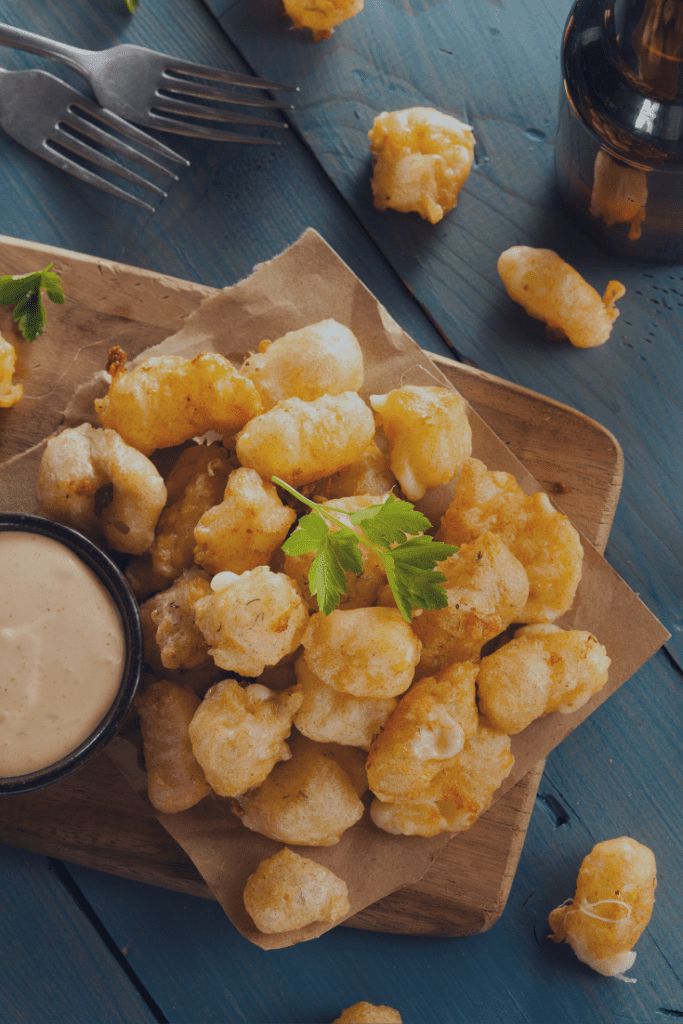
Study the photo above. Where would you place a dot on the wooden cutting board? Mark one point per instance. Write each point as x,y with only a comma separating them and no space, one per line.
93,818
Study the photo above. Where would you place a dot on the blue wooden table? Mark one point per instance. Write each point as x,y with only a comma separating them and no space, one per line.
79,947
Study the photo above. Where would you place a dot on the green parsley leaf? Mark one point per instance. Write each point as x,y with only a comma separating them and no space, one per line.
310,533
24,293
29,315
391,522
132,5
337,555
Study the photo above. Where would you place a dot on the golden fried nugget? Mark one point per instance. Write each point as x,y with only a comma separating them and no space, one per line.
10,393
361,590
487,589
171,634
367,652
352,760
612,906
369,1013
169,399
371,474
238,734
304,441
619,194
543,539
288,892
91,479
321,16
307,801
551,290
544,669
458,795
244,530
328,716
175,782
143,580
252,620
429,435
321,359
422,158
424,734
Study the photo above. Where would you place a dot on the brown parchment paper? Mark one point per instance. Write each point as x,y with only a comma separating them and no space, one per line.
309,282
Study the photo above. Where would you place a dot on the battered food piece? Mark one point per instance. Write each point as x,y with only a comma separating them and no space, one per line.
90,479
612,906
288,891
429,435
321,16
175,781
539,536
422,158
371,474
238,734
10,393
167,400
172,638
321,359
303,441
251,621
369,1013
544,669
619,194
551,290
245,529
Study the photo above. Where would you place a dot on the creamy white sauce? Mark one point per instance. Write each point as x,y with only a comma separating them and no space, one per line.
62,652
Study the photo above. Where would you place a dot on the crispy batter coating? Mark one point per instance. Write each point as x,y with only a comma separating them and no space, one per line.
288,891
10,393
429,435
612,906
307,801
551,290
422,158
252,620
487,589
371,474
544,669
543,539
619,194
369,1013
458,795
321,16
172,638
328,716
169,399
91,479
362,590
304,441
238,734
367,652
424,734
321,359
175,782
244,530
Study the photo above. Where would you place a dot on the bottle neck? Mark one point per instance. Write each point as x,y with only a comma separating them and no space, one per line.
646,38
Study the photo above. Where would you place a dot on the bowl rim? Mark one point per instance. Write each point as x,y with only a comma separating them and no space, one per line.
119,589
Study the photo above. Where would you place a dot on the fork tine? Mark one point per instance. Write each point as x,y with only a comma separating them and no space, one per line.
87,128
71,167
184,67
170,105
79,148
199,131
112,120
184,87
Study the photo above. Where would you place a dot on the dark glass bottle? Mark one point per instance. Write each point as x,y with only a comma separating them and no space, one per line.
619,154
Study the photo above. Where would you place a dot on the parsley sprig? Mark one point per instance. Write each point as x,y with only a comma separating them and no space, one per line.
132,5
393,530
25,293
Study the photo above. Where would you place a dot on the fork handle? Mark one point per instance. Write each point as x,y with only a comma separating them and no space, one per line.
21,39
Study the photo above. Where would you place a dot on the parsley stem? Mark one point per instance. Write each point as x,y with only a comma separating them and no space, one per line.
316,506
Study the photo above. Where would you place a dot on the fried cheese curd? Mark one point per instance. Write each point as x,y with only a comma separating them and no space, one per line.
175,781
321,359
167,400
304,441
321,16
244,530
537,534
366,652
612,906
619,194
369,1013
328,716
171,634
424,734
487,589
458,795
421,159
551,290
543,669
429,435
91,479
288,892
238,734
370,474
251,620
361,590
10,393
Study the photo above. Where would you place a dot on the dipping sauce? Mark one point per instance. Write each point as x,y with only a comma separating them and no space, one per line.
62,652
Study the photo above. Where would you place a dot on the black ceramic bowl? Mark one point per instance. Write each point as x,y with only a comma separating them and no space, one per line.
115,582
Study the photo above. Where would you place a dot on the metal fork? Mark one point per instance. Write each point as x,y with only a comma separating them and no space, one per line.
59,124
155,89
